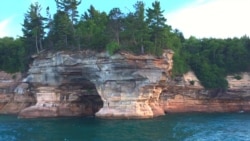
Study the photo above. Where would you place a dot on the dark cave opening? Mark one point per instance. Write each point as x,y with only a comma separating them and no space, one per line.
83,93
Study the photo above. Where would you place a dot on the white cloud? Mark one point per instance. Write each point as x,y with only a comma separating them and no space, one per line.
10,27
4,29
214,18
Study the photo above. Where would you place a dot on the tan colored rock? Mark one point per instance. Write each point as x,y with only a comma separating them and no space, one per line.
123,85
193,99
127,84
11,102
190,78
242,83
8,82
52,102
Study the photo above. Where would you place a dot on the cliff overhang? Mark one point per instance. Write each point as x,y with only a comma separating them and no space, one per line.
122,85
127,85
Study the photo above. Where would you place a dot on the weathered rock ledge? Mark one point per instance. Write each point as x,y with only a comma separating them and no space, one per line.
184,97
126,85
10,101
123,85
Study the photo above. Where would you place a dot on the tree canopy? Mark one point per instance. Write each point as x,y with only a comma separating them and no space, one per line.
142,30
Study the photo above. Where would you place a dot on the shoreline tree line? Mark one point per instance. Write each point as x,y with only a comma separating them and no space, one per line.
143,31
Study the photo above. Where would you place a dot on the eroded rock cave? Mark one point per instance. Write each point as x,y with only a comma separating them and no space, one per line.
87,83
76,97
121,85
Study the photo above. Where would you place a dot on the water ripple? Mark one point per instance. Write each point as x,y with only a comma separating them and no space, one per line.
175,127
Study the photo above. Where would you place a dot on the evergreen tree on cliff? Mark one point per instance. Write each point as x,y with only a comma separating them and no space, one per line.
136,32
69,7
63,26
61,32
92,29
115,24
156,22
33,28
141,32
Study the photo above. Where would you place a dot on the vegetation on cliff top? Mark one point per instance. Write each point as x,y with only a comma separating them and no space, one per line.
142,31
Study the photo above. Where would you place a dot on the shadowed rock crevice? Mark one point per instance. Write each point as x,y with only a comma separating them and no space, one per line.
78,97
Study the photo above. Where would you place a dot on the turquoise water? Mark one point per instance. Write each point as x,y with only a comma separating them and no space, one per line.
175,127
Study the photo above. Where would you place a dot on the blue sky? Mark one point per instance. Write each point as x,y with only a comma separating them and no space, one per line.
200,18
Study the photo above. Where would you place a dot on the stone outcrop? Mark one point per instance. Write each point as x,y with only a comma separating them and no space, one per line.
53,102
123,85
194,98
117,86
12,102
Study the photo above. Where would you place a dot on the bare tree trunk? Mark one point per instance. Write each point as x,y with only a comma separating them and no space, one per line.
117,38
142,47
37,49
40,42
79,44
66,41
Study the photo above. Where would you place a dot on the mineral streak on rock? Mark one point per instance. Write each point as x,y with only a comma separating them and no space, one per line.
82,83
123,85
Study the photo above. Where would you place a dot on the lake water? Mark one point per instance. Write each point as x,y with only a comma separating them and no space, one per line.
172,127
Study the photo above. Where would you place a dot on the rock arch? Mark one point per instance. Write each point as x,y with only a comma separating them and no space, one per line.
127,84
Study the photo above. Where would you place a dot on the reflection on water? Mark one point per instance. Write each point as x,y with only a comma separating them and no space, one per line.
176,127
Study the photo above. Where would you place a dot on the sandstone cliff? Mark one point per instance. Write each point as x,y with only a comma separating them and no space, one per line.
123,85
12,102
182,96
118,86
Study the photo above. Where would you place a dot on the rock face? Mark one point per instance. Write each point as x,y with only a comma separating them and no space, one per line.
194,98
53,102
82,83
12,102
87,83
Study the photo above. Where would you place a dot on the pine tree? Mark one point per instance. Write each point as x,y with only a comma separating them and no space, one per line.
92,28
136,33
115,18
62,32
68,10
33,27
156,22
141,32
69,7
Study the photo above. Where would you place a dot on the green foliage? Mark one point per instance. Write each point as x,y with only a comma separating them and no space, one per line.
210,75
69,7
142,31
92,29
174,42
213,59
12,55
115,24
33,28
237,77
136,36
62,31
112,47
180,65
156,24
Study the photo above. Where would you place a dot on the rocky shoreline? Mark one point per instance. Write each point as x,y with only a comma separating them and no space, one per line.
123,86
